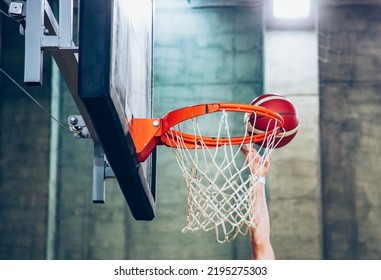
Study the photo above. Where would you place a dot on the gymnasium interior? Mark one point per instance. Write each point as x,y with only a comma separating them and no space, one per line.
323,189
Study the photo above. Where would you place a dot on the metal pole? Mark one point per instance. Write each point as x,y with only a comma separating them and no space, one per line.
66,23
34,32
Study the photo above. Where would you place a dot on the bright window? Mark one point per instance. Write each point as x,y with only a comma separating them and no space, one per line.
291,9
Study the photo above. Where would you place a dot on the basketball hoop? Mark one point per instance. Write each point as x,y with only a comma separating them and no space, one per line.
220,186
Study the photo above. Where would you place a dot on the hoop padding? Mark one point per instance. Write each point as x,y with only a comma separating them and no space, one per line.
221,184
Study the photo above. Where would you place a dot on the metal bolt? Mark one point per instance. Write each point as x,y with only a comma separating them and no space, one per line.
156,123
73,120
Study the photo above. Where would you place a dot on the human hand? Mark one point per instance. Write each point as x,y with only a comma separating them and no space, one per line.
255,160
260,233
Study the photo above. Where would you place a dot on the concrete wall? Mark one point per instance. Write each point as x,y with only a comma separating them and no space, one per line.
46,213
24,154
201,55
206,55
350,75
293,182
85,230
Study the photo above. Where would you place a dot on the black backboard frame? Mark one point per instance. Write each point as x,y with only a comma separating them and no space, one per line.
95,31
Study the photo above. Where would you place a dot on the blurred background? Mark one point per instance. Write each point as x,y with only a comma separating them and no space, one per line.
323,188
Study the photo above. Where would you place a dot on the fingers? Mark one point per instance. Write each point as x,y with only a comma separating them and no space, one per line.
266,167
255,160
248,149
245,148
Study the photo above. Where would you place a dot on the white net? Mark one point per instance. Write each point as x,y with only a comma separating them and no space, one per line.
220,183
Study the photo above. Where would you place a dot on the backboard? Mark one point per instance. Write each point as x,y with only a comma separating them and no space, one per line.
115,85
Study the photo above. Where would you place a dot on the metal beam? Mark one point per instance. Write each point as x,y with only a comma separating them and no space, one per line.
66,24
43,32
33,35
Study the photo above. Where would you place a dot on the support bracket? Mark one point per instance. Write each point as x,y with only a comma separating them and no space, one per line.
101,172
43,32
101,167
78,126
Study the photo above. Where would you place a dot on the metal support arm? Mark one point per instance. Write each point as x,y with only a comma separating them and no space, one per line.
101,168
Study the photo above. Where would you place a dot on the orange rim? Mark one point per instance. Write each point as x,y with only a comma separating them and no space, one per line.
148,133
191,141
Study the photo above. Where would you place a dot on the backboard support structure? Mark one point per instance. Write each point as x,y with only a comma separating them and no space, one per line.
101,77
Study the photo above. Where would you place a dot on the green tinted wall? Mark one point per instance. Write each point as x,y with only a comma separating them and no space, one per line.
349,40
201,55
24,153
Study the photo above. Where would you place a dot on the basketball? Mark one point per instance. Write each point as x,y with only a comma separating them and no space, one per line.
281,105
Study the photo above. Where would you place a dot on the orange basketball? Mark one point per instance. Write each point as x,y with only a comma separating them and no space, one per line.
281,105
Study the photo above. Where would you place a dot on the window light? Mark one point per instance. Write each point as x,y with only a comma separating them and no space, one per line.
291,9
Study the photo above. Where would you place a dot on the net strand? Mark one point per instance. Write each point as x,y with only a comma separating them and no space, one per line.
221,190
